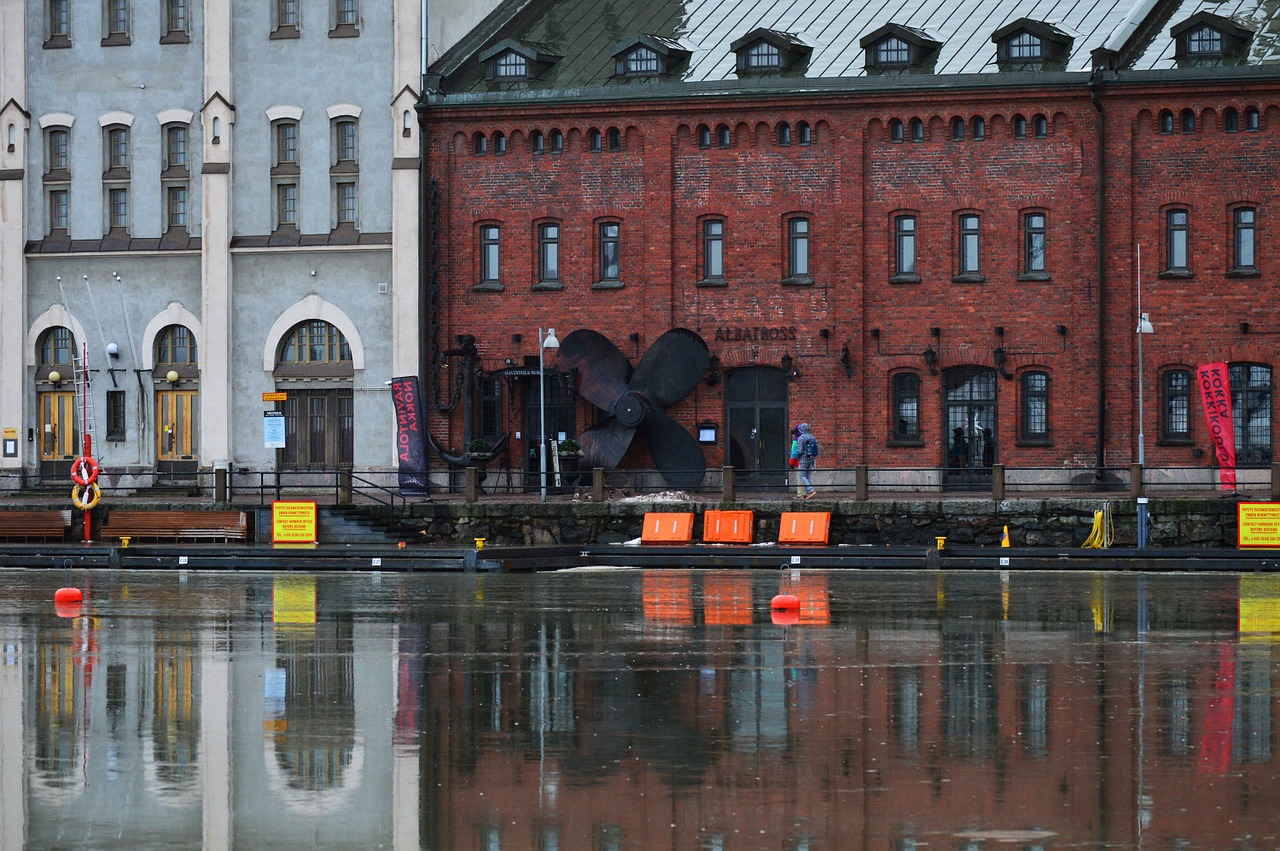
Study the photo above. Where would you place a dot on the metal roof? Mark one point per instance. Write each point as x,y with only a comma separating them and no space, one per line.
586,34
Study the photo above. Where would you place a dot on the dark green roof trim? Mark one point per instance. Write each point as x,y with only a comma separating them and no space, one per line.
791,87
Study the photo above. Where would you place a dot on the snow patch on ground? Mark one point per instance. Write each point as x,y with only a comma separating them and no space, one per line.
664,496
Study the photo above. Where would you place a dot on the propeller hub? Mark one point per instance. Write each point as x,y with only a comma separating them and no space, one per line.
630,409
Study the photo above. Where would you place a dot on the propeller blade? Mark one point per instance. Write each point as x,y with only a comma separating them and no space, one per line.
672,367
675,451
604,444
602,369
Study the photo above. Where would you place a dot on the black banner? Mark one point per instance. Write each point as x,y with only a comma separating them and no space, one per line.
410,447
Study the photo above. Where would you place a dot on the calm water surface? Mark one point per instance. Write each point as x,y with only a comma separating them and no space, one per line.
627,709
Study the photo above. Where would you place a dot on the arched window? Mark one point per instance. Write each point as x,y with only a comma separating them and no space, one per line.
895,130
1041,127
979,127
917,130
1231,120
481,144
704,136
315,341
804,133
1188,121
56,346
957,128
615,139
175,345
1166,121
537,142
784,133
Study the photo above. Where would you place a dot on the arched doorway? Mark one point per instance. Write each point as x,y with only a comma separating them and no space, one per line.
758,440
969,410
177,381
314,368
58,435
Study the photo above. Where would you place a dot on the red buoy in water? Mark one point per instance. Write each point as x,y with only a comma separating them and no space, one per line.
785,603
67,610
785,617
67,595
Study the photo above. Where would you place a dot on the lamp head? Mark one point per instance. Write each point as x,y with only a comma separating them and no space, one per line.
550,341
171,376
1144,324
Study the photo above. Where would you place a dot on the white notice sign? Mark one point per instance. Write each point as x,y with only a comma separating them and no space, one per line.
273,429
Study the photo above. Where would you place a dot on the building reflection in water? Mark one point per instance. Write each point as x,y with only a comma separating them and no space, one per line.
639,709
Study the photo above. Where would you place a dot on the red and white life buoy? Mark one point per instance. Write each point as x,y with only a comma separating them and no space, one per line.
84,470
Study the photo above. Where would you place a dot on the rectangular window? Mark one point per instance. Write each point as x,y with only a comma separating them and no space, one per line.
176,199
286,204
1033,260
904,253
610,251
57,149
116,425
59,18
798,251
1176,405
345,13
176,16
119,204
346,141
286,13
58,209
1245,233
1035,406
346,203
117,17
490,426
713,249
549,252
968,261
176,147
1251,408
118,149
286,143
1176,245
490,256
906,406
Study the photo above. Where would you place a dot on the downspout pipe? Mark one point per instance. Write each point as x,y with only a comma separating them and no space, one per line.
1095,85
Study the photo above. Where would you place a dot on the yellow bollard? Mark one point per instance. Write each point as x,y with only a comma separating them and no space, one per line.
1004,539
124,542
942,542
479,543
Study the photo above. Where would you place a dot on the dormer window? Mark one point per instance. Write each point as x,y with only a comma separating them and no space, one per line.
894,47
511,66
1028,44
1025,47
893,51
648,56
511,61
642,60
762,56
1208,38
765,51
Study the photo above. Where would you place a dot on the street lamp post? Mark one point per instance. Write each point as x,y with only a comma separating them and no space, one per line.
1144,327
544,342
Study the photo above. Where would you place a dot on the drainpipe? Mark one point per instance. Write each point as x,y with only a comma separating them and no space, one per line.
1095,84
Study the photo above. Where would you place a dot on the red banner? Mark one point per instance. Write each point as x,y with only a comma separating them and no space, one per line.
1215,392
410,447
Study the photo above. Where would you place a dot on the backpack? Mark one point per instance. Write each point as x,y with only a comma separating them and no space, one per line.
811,447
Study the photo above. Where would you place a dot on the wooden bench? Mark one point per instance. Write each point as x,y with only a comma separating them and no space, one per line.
176,525
44,524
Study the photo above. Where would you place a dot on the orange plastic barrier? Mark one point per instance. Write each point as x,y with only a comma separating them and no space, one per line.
804,527
667,527
727,527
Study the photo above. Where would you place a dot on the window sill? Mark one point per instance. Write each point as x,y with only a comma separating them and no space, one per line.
969,278
1244,272
57,42
488,287
904,442
1175,441
344,31
798,281
1033,441
287,31
910,278
57,175
1176,273
1034,276
285,170
116,40
715,281
176,37
548,286
612,284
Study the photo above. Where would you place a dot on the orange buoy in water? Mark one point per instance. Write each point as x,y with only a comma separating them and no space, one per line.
67,595
785,603
67,610
785,617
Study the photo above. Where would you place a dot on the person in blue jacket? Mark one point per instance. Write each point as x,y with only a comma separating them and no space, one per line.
805,456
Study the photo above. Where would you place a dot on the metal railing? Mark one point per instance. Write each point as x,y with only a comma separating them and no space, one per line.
380,487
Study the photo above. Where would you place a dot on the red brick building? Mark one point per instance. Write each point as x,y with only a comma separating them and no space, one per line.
921,234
